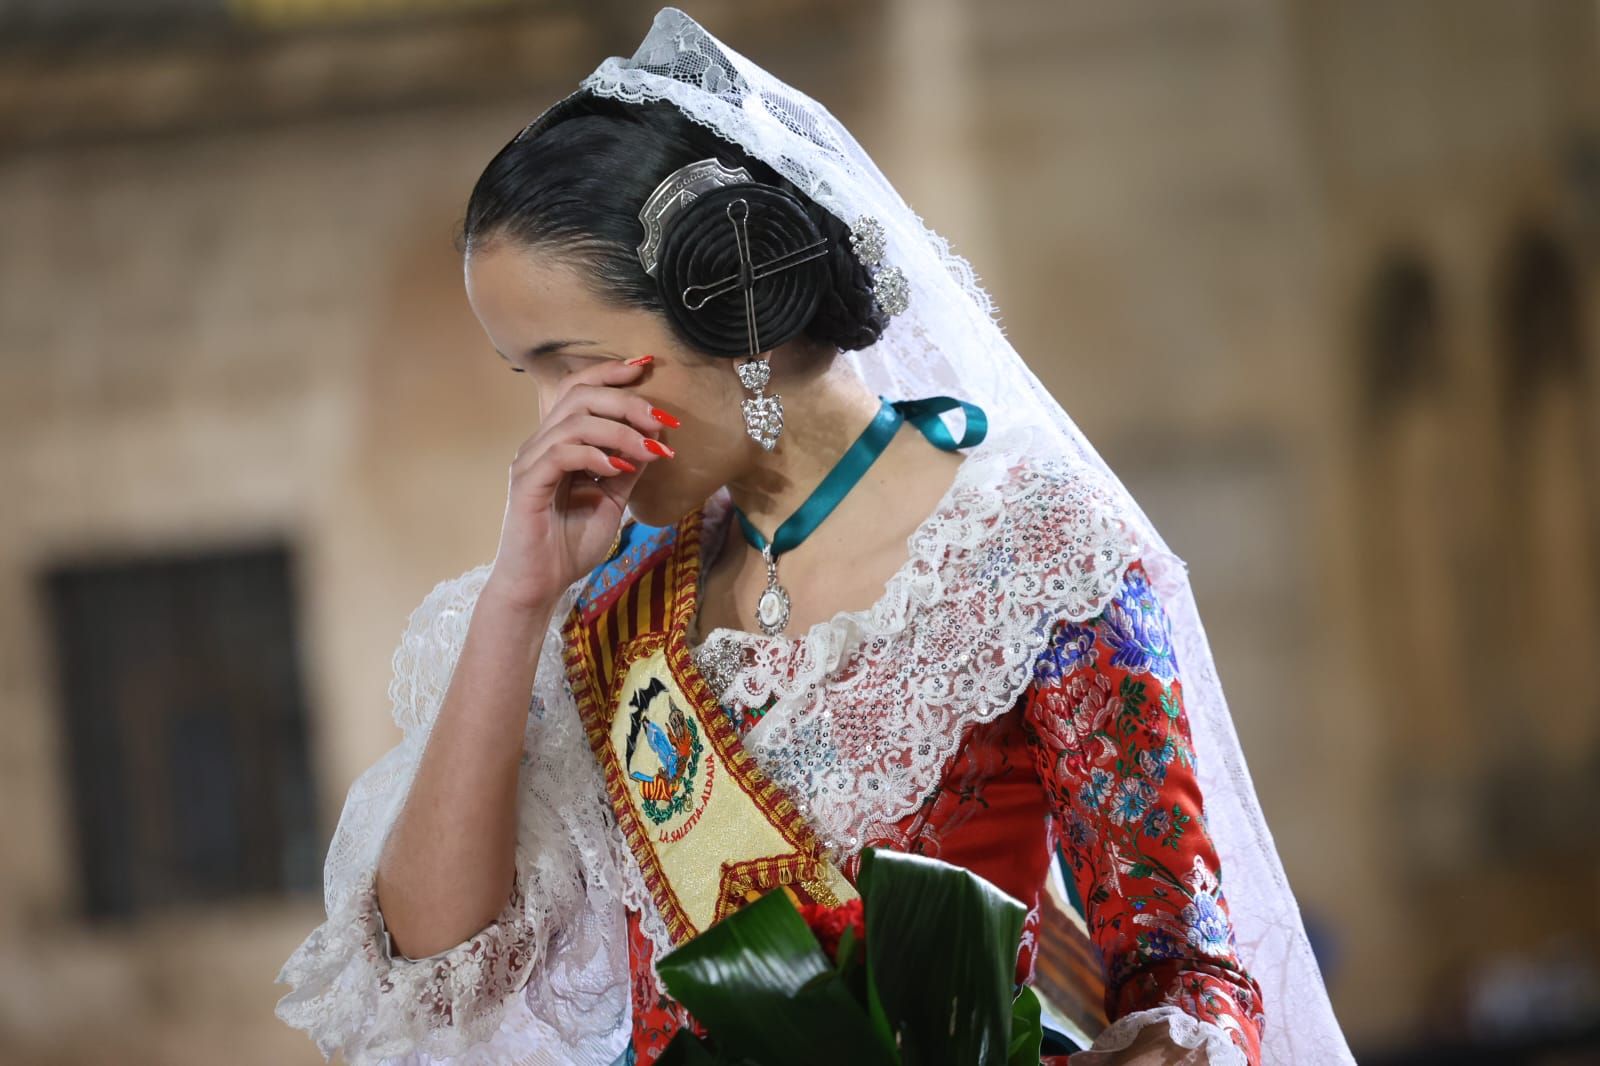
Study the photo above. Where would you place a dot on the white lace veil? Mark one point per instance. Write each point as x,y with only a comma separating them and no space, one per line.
949,342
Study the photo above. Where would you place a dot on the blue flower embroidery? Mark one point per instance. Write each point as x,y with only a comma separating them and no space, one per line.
1207,926
1133,798
1154,762
1137,629
1158,823
1079,833
1160,944
1071,646
1096,788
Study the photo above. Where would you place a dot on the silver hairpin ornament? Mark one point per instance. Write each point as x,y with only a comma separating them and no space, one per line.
889,286
763,414
677,191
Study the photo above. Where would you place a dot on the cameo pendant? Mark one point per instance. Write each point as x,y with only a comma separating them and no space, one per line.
772,609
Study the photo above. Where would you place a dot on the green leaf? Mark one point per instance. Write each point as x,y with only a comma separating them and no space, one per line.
847,950
941,958
1027,1030
760,984
850,964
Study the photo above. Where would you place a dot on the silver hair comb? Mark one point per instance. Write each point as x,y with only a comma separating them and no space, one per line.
677,191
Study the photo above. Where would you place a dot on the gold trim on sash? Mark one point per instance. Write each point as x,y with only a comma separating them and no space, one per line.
709,829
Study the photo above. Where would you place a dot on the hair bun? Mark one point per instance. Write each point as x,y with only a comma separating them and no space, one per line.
699,247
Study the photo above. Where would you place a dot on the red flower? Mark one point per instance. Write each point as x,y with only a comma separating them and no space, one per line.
829,924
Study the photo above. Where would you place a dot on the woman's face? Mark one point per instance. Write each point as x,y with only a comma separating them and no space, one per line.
526,298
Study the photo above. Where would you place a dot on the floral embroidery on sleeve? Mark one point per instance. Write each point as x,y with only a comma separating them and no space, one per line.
1113,748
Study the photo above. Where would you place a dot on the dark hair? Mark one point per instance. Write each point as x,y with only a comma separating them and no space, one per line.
576,187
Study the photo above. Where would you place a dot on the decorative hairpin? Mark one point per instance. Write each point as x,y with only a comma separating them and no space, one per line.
764,415
677,191
889,287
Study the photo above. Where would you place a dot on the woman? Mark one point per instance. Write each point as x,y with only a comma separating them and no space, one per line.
765,623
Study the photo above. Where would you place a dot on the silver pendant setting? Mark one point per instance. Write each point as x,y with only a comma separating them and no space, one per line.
772,609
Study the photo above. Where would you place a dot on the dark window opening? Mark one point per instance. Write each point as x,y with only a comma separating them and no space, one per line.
184,729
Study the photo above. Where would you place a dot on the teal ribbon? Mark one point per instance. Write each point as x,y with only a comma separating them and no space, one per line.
923,413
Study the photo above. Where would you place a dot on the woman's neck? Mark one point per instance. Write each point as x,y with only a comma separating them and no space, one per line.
822,417
845,563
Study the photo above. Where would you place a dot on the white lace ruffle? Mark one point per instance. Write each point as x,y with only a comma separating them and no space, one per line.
550,973
871,704
1184,1029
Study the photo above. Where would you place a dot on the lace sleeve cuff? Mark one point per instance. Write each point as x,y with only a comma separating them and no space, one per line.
497,941
356,996
1208,1042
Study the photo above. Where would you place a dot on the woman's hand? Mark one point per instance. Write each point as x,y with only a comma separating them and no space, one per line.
571,480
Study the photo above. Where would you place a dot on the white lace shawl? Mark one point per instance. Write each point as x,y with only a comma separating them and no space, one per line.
870,706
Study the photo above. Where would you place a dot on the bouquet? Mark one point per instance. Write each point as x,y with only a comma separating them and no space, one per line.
917,972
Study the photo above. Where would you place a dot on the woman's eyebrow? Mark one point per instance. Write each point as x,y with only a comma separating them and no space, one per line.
545,348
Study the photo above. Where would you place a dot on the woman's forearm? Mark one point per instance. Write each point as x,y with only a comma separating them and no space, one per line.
448,865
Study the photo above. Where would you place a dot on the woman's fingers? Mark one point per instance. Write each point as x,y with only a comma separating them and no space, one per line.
538,480
596,427
608,402
595,391
607,374
619,437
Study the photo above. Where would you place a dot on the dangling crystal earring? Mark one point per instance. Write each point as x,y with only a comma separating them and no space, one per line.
763,415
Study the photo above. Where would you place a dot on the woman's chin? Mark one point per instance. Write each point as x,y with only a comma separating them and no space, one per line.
661,508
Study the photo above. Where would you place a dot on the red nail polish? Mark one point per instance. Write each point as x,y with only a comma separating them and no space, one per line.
665,419
653,445
641,360
622,464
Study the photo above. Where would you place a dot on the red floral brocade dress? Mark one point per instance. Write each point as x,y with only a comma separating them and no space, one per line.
1095,762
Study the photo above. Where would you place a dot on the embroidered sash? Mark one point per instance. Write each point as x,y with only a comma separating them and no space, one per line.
710,830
